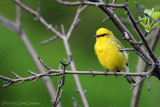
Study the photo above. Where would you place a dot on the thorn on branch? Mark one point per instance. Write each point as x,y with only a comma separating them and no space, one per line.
49,26
48,40
32,73
115,73
106,73
36,79
106,19
85,91
21,82
17,76
92,72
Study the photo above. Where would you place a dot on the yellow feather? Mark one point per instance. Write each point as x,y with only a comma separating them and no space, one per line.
107,49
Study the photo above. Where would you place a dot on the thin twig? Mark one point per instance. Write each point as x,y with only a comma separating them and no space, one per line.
75,21
39,17
60,84
45,65
146,76
49,40
106,19
141,11
10,25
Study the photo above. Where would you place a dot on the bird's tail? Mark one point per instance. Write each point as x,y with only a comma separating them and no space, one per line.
130,79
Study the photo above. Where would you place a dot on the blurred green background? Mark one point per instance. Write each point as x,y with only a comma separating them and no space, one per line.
102,91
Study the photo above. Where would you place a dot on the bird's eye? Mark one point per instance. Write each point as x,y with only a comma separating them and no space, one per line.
103,34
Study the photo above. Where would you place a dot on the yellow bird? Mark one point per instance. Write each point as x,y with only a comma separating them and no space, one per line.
107,49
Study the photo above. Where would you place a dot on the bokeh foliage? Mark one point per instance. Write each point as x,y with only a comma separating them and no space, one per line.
101,91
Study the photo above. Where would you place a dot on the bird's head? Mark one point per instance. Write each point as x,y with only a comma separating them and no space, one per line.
104,33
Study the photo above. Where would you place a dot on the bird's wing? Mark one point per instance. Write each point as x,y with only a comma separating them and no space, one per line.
118,43
120,46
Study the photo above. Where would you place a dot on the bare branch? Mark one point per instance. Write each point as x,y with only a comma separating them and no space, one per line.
76,20
63,30
126,49
61,72
141,34
34,77
46,66
60,84
16,27
8,24
89,3
39,17
137,90
106,19
18,18
49,40
66,44
17,76
146,76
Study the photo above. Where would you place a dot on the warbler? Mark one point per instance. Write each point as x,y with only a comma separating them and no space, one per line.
107,50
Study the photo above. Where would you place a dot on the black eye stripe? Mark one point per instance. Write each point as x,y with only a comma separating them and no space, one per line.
103,35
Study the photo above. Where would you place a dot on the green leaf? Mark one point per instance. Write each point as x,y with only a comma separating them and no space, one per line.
148,28
149,11
147,23
155,25
156,15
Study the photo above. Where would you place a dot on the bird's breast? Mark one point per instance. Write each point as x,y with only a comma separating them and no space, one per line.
109,56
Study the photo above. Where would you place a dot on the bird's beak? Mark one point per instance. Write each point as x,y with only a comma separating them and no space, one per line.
96,36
